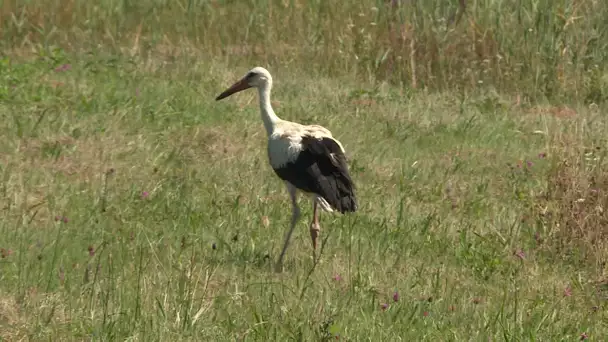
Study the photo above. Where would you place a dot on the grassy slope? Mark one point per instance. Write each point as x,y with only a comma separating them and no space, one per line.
443,217
439,218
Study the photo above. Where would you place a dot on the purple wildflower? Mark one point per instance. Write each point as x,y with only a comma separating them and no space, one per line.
64,219
542,155
567,291
520,254
145,194
63,67
337,277
396,296
584,336
383,306
91,250
529,163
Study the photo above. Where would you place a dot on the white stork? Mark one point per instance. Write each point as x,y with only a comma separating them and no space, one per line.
307,158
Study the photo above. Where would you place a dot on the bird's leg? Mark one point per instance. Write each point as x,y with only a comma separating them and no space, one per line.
315,228
295,215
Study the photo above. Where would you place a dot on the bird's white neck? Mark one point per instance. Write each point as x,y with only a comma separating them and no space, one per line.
268,116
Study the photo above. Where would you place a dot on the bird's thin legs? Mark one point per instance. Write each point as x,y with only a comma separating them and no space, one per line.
315,228
295,215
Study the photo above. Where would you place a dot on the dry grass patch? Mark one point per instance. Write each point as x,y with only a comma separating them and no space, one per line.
43,167
573,211
210,143
561,112
81,159
12,320
18,319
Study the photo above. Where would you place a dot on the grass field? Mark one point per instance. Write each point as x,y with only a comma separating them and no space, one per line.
136,207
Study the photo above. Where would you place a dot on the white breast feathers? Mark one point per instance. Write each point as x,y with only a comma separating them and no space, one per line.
285,142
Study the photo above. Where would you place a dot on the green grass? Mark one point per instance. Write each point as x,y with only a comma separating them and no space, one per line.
174,217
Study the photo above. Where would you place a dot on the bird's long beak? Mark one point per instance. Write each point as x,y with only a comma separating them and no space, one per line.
238,86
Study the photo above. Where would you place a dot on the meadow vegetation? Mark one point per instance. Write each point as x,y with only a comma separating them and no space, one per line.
134,206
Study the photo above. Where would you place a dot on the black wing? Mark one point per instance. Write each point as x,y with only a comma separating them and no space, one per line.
321,169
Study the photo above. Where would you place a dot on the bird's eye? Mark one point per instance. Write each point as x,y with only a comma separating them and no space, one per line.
250,75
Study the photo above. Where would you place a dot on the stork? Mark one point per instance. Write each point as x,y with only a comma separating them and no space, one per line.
306,157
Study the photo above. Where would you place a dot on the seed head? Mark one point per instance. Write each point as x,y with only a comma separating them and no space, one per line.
61,275
265,221
4,253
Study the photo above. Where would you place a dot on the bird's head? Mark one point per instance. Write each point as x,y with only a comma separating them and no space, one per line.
257,77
